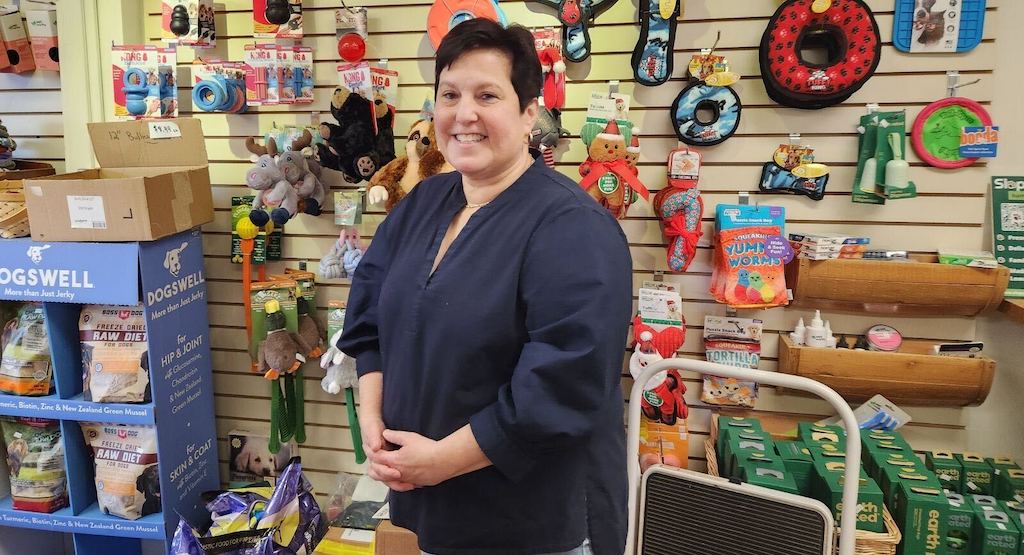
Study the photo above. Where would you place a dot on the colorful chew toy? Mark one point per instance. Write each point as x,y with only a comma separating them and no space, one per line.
936,132
724,105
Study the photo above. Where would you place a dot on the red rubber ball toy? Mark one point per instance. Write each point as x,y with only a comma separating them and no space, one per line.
351,47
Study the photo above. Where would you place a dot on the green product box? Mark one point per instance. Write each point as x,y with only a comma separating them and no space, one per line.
742,444
876,453
947,468
827,487
892,475
959,524
994,533
826,451
874,438
1011,507
767,472
811,434
985,502
1009,485
727,425
1015,510
799,463
1002,463
977,475
921,514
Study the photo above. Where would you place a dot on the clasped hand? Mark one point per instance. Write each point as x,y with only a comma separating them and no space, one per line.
414,461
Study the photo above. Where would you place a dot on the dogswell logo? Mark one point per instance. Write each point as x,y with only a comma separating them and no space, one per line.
35,254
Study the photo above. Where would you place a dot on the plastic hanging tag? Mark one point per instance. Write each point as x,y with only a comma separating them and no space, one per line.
790,156
683,168
666,8
821,6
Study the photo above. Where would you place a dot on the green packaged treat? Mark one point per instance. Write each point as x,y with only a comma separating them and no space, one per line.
740,445
823,451
994,533
827,487
729,424
1009,485
985,502
921,514
959,524
947,469
767,472
1012,507
890,477
876,466
799,463
811,433
977,475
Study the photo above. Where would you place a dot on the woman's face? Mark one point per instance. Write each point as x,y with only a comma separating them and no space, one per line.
479,127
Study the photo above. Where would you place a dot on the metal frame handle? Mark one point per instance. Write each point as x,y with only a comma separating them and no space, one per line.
848,522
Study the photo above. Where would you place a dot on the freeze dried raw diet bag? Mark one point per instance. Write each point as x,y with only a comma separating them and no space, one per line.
35,459
115,362
25,363
127,477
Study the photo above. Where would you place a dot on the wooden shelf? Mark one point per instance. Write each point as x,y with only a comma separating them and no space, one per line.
1013,308
24,170
921,287
909,377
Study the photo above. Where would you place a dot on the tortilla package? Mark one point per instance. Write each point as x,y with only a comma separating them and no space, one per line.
115,361
25,364
35,459
127,474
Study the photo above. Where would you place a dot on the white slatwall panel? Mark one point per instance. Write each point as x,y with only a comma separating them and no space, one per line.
950,210
30,108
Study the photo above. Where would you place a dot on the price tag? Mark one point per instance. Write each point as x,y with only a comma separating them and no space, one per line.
164,130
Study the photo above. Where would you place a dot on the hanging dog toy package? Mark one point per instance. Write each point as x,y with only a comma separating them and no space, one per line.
732,342
750,256
844,30
680,208
793,170
609,174
35,460
707,111
25,366
127,475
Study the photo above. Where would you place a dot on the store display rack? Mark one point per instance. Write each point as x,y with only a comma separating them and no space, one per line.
166,278
913,376
921,287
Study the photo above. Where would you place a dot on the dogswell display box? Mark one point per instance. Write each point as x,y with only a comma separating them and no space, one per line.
166,279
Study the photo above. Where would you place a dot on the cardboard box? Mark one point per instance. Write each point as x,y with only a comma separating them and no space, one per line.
977,474
811,433
392,540
1001,463
994,534
959,525
722,426
767,472
798,462
947,469
741,445
145,188
921,515
891,475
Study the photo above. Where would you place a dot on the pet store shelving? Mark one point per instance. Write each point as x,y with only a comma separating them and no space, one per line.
1013,308
166,277
912,376
921,287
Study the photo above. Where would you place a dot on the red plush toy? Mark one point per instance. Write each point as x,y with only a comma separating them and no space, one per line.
554,77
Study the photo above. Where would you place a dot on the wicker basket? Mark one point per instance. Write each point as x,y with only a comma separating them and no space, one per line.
868,543
13,214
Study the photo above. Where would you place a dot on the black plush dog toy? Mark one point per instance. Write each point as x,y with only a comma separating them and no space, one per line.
363,140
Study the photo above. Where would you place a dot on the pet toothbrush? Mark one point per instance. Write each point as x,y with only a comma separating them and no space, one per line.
897,169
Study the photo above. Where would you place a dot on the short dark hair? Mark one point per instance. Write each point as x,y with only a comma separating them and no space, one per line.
515,42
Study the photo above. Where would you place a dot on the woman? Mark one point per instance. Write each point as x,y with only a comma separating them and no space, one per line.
488,320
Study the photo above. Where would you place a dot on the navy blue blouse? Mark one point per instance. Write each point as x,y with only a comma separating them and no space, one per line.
519,332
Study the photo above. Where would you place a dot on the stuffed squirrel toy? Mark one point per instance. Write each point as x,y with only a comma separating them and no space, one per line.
422,159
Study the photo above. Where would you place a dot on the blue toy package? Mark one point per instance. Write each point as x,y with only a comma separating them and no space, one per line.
775,178
921,26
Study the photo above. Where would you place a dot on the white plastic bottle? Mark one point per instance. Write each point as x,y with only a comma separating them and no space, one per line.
799,333
830,339
816,332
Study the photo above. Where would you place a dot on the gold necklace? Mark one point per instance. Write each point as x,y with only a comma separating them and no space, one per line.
477,205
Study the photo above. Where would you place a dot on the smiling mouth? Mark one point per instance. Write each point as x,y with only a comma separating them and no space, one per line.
469,138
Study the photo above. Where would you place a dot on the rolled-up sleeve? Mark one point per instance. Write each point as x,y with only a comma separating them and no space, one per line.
360,338
575,285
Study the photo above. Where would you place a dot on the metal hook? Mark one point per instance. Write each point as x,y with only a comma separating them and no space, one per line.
953,82
717,38
613,88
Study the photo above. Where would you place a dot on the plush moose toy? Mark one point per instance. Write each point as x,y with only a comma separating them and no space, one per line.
303,175
272,189
356,146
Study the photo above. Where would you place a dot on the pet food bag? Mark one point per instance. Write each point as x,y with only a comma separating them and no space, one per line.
127,477
25,364
35,459
115,361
